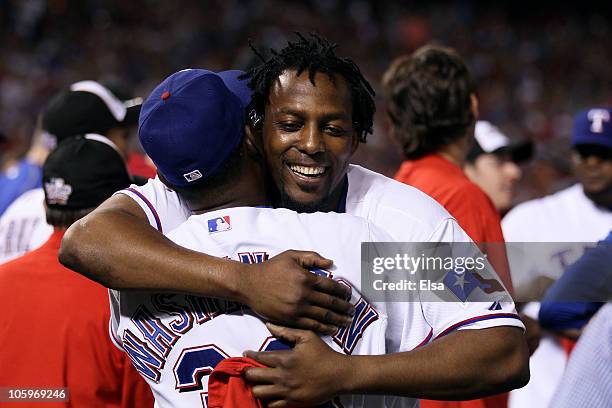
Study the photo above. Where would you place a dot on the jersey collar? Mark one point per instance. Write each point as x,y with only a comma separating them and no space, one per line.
342,202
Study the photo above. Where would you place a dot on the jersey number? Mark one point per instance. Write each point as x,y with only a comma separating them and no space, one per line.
195,363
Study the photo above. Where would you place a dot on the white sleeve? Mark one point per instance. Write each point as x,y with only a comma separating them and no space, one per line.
433,320
448,230
514,225
445,317
526,264
163,207
115,318
23,226
412,325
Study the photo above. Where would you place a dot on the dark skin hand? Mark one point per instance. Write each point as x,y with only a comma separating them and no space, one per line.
284,289
533,333
312,373
281,290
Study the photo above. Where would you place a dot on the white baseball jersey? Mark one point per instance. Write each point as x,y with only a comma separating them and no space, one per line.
571,219
568,216
587,381
173,339
23,226
407,215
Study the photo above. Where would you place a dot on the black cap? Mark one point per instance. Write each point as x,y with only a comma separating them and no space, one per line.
490,140
88,107
82,172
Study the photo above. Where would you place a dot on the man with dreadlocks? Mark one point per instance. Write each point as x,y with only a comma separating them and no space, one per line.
310,110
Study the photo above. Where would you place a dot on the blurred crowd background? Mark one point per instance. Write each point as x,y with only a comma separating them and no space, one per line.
535,65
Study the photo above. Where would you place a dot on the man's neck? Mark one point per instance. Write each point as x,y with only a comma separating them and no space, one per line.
248,189
336,197
333,202
602,199
253,201
456,151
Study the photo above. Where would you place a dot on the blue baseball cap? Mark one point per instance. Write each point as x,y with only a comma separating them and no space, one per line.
593,126
238,86
192,122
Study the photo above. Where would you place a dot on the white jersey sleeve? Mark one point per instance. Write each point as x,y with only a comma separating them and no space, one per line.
164,208
414,323
23,226
402,211
409,215
445,317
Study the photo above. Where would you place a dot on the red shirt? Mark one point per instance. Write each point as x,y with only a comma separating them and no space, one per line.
446,182
140,165
54,333
465,201
228,389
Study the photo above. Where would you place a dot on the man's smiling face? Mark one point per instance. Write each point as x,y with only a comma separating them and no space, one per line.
308,139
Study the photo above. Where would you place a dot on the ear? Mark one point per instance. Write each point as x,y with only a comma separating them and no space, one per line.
252,140
474,106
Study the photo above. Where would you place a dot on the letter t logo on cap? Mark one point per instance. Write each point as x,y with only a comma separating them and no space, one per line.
597,118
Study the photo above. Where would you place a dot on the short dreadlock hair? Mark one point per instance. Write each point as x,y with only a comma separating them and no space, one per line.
313,54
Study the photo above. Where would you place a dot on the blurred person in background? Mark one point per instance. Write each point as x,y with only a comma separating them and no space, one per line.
23,225
493,164
55,326
432,105
581,213
87,107
586,381
577,295
565,223
18,175
90,107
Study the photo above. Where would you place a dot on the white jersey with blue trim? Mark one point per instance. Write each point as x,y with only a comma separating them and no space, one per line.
568,218
174,340
566,223
370,196
406,213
